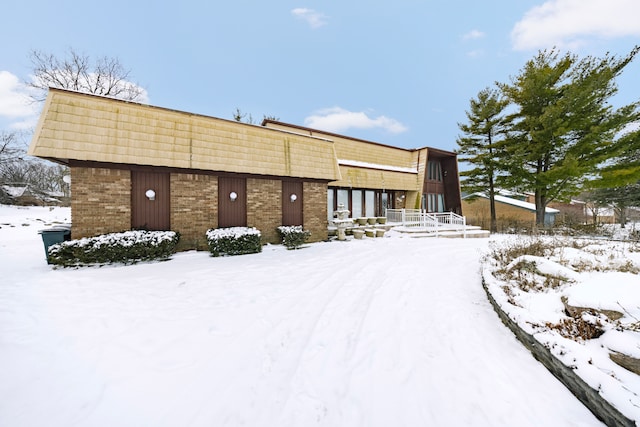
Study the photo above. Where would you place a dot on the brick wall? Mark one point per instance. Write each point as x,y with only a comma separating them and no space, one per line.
194,208
314,210
264,207
101,201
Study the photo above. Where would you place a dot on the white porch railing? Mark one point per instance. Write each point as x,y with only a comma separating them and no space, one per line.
429,221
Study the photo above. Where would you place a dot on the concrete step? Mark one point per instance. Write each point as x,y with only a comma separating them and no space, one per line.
471,232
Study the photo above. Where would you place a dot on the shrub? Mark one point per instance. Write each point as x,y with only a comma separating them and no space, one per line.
127,247
234,241
293,236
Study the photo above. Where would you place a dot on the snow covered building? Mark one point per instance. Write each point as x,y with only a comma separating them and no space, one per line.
510,211
139,166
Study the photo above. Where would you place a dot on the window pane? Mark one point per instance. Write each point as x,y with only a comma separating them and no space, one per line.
330,204
385,203
370,204
343,198
356,203
434,170
440,202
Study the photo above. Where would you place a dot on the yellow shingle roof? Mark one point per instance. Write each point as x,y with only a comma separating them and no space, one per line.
93,128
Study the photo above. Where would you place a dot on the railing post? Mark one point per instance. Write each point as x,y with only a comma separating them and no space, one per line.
464,226
403,212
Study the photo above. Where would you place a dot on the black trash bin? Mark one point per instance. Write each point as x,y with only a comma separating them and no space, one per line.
53,235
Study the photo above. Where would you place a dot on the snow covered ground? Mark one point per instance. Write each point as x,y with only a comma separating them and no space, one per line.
391,331
597,274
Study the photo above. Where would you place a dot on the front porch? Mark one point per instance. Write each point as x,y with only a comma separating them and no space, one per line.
419,223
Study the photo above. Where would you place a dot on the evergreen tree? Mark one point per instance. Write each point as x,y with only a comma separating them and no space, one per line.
620,199
480,145
563,128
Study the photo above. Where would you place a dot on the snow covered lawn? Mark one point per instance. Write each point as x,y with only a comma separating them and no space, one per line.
598,281
391,331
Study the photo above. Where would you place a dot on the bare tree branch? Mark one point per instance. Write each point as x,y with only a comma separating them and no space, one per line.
107,77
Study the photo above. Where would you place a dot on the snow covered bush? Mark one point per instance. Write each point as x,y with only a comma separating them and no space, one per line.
293,236
234,241
127,247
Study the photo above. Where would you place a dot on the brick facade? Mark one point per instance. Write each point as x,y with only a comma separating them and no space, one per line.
101,201
264,207
101,204
194,208
314,210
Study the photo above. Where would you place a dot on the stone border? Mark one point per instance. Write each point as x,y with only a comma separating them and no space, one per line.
602,409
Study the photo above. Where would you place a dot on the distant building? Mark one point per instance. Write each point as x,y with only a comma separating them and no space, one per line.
25,195
138,166
509,211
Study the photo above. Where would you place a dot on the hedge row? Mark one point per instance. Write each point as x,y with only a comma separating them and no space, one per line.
127,247
130,247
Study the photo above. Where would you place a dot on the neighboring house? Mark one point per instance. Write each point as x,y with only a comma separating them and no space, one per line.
509,211
24,195
139,166
578,211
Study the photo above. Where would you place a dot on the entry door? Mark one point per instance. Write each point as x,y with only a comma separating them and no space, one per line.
150,201
291,203
232,202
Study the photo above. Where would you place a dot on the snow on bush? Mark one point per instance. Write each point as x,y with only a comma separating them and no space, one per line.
293,236
234,241
127,247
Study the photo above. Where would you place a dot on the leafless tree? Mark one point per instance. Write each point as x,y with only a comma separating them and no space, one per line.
10,148
105,77
18,169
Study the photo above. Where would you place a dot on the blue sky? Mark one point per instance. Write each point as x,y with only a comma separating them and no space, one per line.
400,73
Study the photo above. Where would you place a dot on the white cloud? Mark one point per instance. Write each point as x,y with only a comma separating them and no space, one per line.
475,53
473,34
313,18
15,103
571,23
338,120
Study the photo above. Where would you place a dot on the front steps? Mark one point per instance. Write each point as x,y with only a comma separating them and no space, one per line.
471,232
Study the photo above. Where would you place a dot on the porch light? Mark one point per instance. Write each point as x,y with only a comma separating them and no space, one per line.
151,195
293,198
233,196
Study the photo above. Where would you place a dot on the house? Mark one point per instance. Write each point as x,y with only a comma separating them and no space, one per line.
140,166
26,195
375,176
510,212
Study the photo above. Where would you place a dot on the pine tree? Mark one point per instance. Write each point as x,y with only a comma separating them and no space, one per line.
480,145
563,127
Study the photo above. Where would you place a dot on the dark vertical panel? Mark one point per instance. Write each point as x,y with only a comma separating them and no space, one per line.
145,213
291,210
232,213
451,185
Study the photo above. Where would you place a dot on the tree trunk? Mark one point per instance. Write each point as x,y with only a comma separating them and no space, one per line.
622,215
492,207
541,207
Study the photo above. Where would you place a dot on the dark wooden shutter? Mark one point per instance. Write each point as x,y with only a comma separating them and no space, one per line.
291,209
147,214
232,213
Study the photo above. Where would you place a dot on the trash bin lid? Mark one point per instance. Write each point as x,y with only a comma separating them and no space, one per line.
56,228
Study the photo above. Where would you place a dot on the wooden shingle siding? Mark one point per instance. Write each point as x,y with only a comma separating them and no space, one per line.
379,155
87,127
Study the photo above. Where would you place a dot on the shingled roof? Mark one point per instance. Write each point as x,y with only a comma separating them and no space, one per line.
78,126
